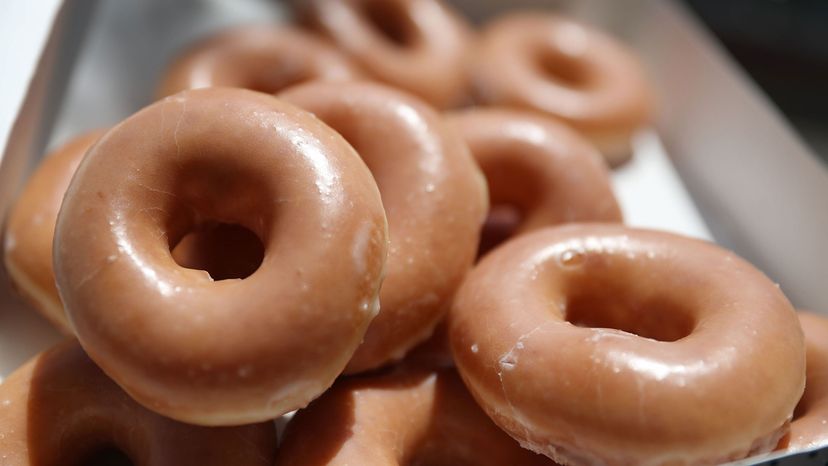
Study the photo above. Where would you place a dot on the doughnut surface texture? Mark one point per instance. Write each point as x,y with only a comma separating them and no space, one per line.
404,418
61,409
231,351
434,197
31,227
600,344
538,166
809,428
261,58
417,45
551,64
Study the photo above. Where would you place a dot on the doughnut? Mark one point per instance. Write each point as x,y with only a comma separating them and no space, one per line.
416,45
60,409
434,198
31,225
407,417
600,344
809,428
537,168
550,64
221,352
261,58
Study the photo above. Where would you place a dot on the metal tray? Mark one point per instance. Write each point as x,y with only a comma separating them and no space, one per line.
719,163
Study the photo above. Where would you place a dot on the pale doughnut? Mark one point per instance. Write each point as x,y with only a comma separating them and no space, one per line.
31,226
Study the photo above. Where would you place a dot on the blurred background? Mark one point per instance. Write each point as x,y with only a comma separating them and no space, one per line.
783,45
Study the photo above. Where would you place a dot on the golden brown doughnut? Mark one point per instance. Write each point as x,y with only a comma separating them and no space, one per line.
403,418
261,58
434,197
809,428
538,167
600,344
416,45
31,226
551,64
60,409
231,351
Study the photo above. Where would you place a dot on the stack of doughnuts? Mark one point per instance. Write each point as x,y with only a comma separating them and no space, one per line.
306,220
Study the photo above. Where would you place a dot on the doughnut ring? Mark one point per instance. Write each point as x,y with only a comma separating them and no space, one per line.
31,226
408,417
232,351
809,427
416,45
556,66
59,408
537,166
600,344
265,59
434,198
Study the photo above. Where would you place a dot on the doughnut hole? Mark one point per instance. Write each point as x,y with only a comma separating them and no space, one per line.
275,76
563,69
211,219
223,250
622,301
390,20
501,224
514,190
108,455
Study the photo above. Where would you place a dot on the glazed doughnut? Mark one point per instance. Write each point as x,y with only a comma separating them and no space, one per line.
600,344
260,58
551,64
408,417
31,226
230,351
809,428
537,166
434,198
60,409
416,45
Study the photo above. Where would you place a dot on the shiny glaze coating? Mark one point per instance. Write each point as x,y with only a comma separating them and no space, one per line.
231,351
403,418
61,409
417,45
547,63
434,197
261,58
539,166
809,428
31,226
600,344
